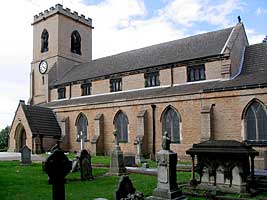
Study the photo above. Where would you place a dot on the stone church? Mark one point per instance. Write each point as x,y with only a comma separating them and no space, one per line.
207,86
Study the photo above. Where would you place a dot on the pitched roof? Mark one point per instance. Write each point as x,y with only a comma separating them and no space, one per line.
253,75
194,47
41,120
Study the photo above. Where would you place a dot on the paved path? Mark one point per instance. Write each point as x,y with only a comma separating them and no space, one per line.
9,156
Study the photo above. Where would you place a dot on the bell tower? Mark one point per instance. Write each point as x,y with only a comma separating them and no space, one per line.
61,40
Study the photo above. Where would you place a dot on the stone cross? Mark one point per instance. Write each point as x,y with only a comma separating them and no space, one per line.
57,166
82,139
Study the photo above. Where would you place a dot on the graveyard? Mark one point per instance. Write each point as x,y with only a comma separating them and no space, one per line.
220,173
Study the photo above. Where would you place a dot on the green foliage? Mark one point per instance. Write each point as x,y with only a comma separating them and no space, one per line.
4,139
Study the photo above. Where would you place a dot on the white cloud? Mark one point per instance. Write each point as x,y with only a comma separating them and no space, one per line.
261,11
188,12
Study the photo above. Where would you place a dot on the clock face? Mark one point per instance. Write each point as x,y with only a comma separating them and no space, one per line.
43,67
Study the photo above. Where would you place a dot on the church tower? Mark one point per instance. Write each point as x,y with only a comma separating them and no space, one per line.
61,40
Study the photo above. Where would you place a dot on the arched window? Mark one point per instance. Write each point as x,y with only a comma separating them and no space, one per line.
121,125
256,122
44,41
81,125
76,42
171,123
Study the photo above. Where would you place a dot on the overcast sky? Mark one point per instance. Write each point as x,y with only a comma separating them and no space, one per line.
120,25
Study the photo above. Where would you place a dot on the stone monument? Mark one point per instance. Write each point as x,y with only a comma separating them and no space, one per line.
25,155
139,157
57,166
117,164
167,187
85,166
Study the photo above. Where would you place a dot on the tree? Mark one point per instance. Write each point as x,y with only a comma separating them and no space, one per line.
4,138
265,39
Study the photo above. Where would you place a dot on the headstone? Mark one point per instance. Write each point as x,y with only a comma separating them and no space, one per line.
85,166
167,187
117,164
57,166
25,155
139,159
126,190
76,163
145,165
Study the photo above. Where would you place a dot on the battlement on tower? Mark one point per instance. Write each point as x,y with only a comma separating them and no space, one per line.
58,9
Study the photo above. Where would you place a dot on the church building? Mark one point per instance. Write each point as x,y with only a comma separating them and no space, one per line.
208,86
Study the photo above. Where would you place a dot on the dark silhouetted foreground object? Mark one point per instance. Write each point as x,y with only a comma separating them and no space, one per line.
25,155
85,166
57,166
126,190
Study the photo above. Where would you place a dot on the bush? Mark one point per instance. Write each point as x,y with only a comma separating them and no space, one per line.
4,139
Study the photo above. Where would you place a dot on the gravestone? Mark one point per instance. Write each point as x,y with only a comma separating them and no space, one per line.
76,163
57,166
167,187
85,166
129,160
139,159
25,155
117,164
126,190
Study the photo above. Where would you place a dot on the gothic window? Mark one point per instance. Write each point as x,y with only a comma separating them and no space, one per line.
256,123
44,41
81,125
171,124
61,93
76,42
86,89
152,79
196,73
115,85
121,125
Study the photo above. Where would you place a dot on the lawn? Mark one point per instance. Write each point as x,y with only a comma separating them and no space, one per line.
30,183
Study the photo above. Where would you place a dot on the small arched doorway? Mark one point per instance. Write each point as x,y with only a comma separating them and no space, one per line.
20,137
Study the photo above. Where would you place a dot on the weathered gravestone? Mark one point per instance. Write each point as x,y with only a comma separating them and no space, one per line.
126,190
117,164
139,159
57,166
76,163
85,166
25,155
167,187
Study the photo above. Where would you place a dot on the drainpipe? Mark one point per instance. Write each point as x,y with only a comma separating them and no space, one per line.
172,75
153,131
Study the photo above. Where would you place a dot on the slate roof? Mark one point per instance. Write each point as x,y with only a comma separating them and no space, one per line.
194,47
41,120
253,75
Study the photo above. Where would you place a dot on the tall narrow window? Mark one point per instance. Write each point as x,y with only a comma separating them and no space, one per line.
61,93
86,89
171,124
115,85
76,42
196,73
44,41
256,123
121,125
81,125
152,79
